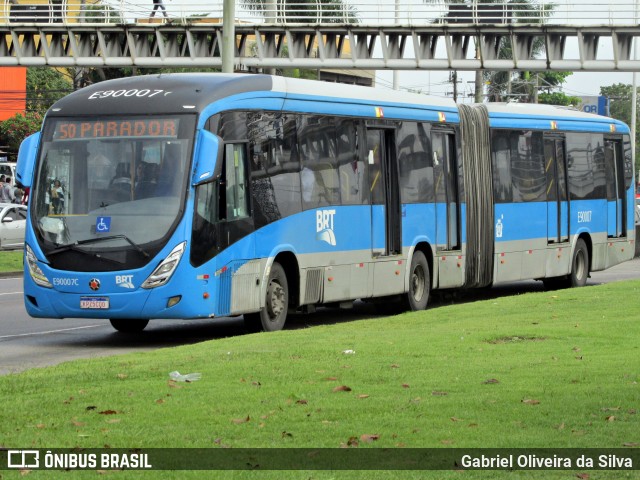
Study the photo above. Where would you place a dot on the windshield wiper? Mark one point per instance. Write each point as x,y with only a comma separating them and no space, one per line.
76,244
75,247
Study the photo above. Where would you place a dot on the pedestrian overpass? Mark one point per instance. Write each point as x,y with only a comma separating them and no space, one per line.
577,35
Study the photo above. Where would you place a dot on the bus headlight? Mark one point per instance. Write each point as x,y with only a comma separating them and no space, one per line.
34,270
163,272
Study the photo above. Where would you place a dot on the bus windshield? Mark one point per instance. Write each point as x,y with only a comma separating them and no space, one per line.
112,183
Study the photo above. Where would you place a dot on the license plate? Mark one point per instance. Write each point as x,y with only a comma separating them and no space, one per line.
94,303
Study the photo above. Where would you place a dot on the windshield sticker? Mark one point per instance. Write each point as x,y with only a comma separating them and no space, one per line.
103,224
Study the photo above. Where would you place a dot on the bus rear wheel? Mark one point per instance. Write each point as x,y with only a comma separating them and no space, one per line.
579,265
417,295
274,313
128,325
579,270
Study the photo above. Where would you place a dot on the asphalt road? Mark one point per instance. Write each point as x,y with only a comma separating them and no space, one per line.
29,343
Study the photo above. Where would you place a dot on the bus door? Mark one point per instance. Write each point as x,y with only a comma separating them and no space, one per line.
447,194
386,213
557,191
616,199
445,169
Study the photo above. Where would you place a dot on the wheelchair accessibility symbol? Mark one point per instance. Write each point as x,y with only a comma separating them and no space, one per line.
103,224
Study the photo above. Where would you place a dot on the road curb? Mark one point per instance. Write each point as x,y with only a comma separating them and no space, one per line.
10,274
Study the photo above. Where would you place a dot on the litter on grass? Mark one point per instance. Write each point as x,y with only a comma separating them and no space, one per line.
189,377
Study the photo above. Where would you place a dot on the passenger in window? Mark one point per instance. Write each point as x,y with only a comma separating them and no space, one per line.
122,175
308,180
168,184
146,180
57,197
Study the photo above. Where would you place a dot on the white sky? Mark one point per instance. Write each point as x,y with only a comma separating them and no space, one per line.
436,83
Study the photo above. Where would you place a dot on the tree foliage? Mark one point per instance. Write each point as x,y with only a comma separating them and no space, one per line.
620,101
559,98
45,86
17,128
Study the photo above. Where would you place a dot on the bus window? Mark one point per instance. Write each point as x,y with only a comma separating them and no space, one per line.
275,177
415,163
319,176
350,166
527,166
235,182
374,160
501,167
204,239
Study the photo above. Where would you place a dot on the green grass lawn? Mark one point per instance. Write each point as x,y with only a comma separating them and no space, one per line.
554,369
11,261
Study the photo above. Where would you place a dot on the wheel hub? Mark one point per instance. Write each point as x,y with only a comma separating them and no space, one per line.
276,303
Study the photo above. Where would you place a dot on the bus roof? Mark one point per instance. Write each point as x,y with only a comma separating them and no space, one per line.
193,92
502,114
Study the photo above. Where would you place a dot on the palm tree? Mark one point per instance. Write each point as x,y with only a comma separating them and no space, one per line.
518,11
522,84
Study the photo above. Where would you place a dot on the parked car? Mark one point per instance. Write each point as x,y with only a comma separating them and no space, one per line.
13,219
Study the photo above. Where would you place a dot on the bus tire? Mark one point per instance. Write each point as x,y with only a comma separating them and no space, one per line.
579,265
128,325
579,270
417,295
273,315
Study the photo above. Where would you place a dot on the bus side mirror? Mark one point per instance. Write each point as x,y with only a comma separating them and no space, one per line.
208,152
27,159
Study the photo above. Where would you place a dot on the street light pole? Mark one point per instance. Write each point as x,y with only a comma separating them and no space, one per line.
228,36
396,73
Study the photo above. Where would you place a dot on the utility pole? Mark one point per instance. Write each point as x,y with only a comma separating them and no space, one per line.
454,79
396,73
634,92
228,36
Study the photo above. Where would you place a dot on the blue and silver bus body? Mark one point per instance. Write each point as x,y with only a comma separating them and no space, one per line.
333,263
522,247
335,251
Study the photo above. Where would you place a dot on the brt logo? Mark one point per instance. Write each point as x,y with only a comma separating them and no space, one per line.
324,226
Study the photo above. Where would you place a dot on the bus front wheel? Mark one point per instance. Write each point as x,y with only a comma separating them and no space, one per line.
274,313
417,295
128,325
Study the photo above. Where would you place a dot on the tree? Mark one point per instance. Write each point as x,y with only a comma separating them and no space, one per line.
620,96
17,128
45,86
522,85
558,98
521,11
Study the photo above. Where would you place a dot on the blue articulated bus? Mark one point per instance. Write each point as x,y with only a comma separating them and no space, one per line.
210,195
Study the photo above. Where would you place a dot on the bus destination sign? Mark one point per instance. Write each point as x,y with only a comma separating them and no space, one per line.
86,130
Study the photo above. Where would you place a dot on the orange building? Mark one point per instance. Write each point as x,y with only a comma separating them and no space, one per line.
13,91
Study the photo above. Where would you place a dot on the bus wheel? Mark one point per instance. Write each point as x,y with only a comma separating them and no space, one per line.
274,313
419,283
579,266
128,325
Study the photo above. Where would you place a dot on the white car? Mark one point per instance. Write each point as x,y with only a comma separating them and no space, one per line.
13,220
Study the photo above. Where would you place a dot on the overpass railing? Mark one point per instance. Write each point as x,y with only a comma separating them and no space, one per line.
363,12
